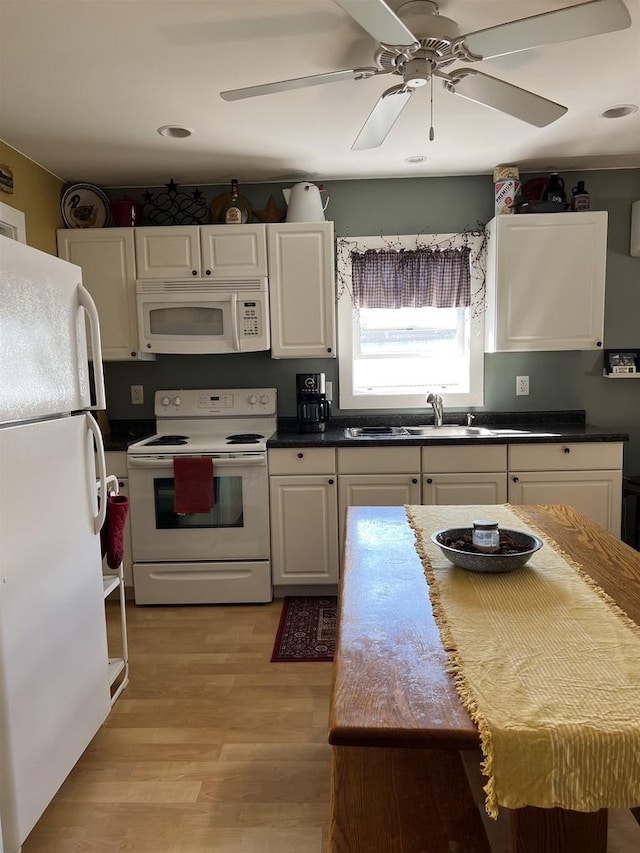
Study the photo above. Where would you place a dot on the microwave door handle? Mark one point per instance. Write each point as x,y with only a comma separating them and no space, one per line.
89,306
235,335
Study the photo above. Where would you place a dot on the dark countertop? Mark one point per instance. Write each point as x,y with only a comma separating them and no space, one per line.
541,428
123,433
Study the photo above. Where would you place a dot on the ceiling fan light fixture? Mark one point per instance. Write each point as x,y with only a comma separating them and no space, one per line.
175,131
619,111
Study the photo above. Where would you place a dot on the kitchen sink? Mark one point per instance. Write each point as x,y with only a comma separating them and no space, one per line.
448,431
374,431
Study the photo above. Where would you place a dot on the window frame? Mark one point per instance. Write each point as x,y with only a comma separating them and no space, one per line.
346,321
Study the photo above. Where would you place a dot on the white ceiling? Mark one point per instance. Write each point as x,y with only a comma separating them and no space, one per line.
85,84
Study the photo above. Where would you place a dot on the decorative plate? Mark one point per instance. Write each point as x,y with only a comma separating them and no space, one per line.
85,206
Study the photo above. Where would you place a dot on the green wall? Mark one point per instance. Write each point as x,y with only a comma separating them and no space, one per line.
563,380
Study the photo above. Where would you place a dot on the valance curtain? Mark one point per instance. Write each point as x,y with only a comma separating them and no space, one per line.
418,278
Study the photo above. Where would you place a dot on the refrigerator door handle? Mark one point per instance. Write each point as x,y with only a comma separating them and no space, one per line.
86,301
99,519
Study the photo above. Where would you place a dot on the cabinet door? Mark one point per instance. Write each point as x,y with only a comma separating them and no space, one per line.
597,494
302,289
304,530
166,253
545,282
233,251
376,490
107,259
461,489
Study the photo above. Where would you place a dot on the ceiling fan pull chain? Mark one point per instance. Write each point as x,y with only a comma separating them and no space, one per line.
431,130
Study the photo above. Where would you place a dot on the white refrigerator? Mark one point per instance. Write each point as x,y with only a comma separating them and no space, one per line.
54,683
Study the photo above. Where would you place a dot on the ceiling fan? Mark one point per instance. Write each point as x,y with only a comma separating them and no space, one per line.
437,43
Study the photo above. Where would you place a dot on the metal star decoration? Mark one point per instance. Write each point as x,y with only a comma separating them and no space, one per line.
271,213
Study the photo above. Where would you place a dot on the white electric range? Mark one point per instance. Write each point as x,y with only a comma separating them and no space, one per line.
220,556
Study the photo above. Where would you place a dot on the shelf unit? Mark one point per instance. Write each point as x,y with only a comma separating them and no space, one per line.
118,666
620,375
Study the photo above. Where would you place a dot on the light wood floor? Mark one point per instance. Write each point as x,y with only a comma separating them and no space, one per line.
212,748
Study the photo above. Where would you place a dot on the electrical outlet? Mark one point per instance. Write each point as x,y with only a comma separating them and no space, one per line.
522,386
137,395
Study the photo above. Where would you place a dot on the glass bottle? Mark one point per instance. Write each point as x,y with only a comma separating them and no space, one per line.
235,212
579,197
486,536
555,191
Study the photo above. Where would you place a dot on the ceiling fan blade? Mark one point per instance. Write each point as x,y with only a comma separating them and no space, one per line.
504,97
382,117
298,83
573,22
379,21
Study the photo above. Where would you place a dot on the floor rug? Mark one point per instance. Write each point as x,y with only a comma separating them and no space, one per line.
307,629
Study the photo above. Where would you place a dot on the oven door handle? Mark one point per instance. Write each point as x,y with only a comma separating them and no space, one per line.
222,460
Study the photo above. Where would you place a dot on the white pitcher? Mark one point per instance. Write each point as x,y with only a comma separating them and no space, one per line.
304,202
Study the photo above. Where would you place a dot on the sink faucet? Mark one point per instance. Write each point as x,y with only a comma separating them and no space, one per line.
436,402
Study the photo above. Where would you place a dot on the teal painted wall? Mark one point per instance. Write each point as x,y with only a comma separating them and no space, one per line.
563,380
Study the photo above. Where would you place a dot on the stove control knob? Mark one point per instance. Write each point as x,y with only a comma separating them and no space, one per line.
165,401
177,401
264,399
253,400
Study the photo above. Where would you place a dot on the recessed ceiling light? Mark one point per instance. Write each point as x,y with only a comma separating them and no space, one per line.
620,110
416,158
174,131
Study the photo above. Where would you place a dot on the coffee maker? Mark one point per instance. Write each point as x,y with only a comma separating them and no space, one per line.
313,409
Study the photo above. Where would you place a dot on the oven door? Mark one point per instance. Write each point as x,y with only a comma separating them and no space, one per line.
188,323
237,528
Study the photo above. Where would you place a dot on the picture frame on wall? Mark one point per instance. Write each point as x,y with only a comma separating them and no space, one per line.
622,362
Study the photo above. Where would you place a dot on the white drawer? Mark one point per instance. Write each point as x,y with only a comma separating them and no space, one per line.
379,460
463,459
303,460
579,456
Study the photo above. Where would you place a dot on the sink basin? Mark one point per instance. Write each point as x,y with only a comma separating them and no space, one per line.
373,431
448,431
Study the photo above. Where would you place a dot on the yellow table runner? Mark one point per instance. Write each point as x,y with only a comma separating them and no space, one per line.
547,666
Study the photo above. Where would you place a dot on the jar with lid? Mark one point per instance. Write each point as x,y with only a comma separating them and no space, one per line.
486,536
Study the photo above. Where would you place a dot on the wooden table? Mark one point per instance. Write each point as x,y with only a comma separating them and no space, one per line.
396,723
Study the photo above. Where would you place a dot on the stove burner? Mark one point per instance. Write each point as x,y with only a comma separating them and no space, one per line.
244,438
163,440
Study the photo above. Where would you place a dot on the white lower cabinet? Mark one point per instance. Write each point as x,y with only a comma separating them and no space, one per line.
304,516
464,475
377,477
586,476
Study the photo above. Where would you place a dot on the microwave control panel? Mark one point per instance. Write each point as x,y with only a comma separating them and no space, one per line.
250,320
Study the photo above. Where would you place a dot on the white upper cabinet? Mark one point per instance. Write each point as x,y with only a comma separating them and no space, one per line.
217,251
106,258
546,281
302,289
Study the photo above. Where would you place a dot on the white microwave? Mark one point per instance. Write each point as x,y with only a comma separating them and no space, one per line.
203,316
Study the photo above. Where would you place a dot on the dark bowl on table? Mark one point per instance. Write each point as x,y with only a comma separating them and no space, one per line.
490,563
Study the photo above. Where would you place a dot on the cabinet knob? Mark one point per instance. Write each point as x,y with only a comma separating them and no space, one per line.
300,455
566,450
515,479
331,482
134,354
194,272
207,272
328,349
148,346
413,480
429,480
598,343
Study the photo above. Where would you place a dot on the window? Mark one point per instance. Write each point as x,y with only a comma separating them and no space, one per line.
393,357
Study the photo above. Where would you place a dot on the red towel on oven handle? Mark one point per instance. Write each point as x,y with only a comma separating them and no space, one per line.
193,483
